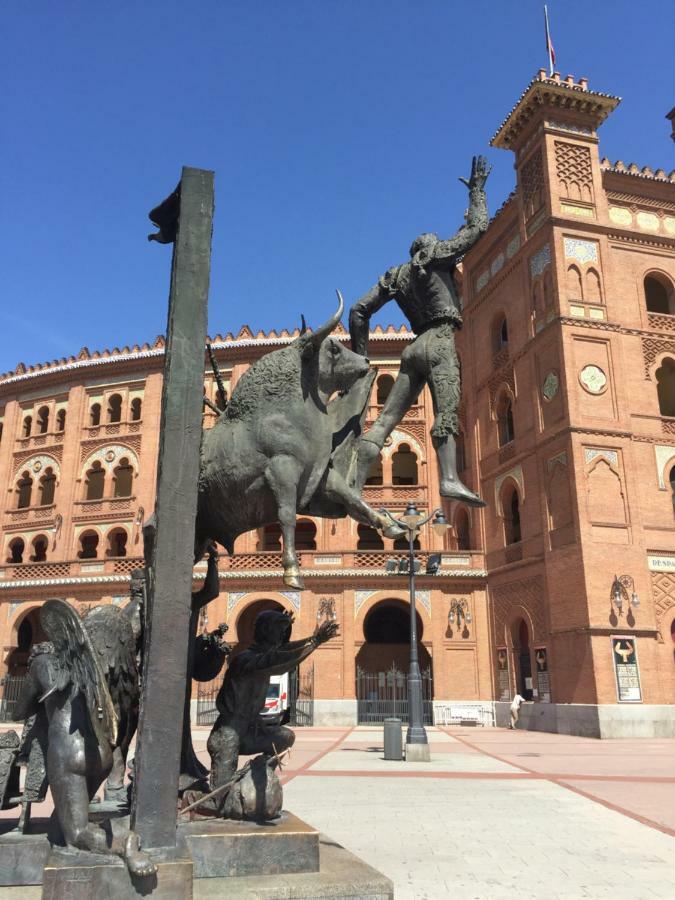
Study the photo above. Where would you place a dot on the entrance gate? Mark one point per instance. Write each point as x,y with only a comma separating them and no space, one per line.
10,689
381,695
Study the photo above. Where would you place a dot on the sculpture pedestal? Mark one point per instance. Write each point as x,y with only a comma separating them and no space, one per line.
222,848
70,875
23,856
417,753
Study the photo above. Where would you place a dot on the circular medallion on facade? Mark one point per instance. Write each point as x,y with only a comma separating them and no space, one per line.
550,386
110,456
593,379
37,465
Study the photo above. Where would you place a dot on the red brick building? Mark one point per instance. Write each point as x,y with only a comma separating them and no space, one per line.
568,362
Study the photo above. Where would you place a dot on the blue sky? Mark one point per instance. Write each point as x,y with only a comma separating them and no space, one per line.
337,131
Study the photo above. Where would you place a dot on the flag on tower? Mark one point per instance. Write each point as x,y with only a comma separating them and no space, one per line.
549,44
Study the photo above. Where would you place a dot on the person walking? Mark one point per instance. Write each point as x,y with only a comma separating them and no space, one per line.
516,703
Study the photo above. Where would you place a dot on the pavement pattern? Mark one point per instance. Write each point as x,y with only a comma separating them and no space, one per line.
495,814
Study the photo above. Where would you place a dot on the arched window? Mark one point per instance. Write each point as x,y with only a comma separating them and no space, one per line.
95,482
574,288
375,475
593,292
271,538
511,504
506,431
368,538
61,420
384,385
659,294
16,548
117,542
404,466
27,425
43,420
24,489
136,406
24,635
500,334
114,408
665,387
123,479
463,530
47,487
88,545
95,415
305,535
40,545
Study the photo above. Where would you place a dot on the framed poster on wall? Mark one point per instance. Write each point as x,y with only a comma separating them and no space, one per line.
543,677
503,683
626,669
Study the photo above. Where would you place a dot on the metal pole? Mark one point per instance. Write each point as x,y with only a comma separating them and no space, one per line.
416,733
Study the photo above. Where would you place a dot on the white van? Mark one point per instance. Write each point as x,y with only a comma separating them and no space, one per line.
277,703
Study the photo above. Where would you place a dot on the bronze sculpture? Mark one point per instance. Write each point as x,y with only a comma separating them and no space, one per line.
80,686
239,728
425,291
275,449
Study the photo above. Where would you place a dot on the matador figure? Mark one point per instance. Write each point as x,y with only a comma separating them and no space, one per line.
425,291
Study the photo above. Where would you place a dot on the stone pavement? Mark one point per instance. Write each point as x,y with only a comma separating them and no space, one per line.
495,814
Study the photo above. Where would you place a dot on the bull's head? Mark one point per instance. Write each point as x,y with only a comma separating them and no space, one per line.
337,367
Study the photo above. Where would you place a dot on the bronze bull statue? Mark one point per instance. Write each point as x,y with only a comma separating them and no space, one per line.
283,446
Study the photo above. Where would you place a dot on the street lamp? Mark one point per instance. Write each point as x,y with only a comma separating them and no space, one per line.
416,743
620,587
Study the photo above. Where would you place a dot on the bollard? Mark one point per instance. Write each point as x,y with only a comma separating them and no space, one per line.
393,739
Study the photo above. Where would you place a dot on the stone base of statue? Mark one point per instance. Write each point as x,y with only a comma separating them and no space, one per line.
223,848
417,753
69,875
23,856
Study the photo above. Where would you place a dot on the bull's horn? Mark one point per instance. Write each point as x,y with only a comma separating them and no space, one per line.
322,333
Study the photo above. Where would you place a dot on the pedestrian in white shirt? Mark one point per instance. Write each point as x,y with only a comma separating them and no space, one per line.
515,710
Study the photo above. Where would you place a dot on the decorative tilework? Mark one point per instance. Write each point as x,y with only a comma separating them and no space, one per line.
13,606
513,246
483,279
573,210
424,597
568,126
540,261
559,460
669,224
647,221
664,454
233,599
293,598
109,455
550,386
620,215
582,251
360,598
591,453
593,379
497,264
37,463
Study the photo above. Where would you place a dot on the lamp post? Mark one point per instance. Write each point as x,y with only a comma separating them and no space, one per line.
416,743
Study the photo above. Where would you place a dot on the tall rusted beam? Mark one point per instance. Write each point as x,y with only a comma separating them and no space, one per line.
184,219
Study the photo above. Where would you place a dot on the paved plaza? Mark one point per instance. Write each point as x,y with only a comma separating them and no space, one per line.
495,814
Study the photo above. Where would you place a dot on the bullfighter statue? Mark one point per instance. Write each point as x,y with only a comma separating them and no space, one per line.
425,291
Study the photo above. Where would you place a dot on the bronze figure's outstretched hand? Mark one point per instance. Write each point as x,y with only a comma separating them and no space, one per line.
325,632
479,173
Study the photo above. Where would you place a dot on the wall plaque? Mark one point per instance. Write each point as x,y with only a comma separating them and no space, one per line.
543,677
593,379
503,683
661,563
624,655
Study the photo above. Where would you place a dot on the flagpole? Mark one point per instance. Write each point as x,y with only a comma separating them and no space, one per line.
549,45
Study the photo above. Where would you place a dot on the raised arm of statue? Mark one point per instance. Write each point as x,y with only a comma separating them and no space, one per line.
476,219
360,313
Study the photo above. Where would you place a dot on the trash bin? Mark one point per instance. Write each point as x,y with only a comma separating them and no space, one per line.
393,739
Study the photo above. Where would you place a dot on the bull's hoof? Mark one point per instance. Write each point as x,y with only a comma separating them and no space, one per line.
293,579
